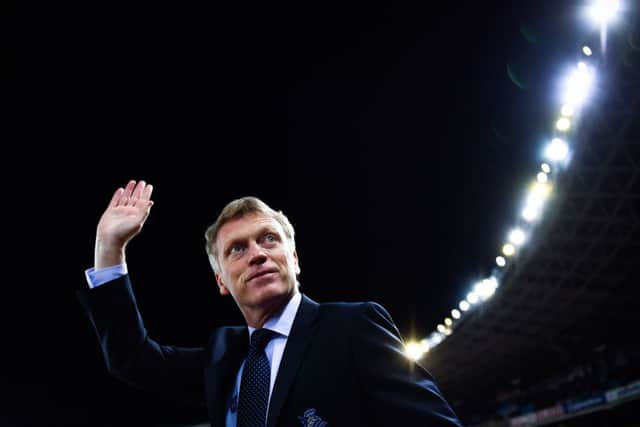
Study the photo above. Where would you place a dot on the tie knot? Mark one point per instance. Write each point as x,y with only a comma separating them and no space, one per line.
260,338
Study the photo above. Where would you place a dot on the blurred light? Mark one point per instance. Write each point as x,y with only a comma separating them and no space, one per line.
603,11
448,321
538,193
464,306
413,350
486,288
530,213
517,236
563,124
508,249
434,339
455,314
567,110
556,150
542,177
472,297
577,85
447,332
501,261
441,328
586,50
545,168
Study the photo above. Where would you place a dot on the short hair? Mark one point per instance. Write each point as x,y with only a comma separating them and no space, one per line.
237,209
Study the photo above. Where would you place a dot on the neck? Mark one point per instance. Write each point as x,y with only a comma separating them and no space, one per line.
256,317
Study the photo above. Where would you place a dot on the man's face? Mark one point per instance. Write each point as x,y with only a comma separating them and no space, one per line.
258,266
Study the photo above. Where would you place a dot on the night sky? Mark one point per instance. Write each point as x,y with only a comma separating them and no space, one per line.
398,140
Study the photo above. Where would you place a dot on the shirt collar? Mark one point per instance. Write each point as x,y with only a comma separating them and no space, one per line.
283,320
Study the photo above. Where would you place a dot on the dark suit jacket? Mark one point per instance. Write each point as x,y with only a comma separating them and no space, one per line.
343,364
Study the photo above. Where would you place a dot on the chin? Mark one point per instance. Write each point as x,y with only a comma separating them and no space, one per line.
273,291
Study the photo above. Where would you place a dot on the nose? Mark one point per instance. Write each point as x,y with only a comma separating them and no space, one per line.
256,254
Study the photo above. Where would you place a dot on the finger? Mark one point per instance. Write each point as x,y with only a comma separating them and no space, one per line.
146,194
148,210
116,197
129,189
137,192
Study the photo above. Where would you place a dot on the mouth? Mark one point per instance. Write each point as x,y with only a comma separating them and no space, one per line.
260,274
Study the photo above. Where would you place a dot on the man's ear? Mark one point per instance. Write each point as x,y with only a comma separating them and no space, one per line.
221,287
295,257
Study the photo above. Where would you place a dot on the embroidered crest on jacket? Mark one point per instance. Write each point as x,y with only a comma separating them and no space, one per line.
310,419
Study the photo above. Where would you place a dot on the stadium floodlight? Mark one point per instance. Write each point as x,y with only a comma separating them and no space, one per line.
464,305
517,236
414,350
545,168
557,150
434,339
603,12
508,249
486,288
577,85
538,193
448,321
500,261
567,110
530,214
587,50
472,298
563,124
455,314
542,177
441,328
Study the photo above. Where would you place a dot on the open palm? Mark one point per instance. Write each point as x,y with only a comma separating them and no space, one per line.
126,213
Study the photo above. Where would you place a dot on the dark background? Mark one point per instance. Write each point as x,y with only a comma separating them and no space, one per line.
397,139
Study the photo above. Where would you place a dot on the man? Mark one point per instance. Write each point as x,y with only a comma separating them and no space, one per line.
296,363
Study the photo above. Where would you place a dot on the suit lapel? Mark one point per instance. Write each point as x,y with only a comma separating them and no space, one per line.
228,349
299,337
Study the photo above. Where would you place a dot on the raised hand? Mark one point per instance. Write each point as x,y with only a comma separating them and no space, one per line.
121,221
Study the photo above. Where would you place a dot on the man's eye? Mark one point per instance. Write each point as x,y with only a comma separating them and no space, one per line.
270,238
235,249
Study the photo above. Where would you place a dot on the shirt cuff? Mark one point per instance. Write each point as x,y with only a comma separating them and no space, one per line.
101,276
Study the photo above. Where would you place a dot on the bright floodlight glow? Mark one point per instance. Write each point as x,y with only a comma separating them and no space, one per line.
501,261
508,249
603,12
464,305
557,150
447,331
530,213
578,85
441,328
563,124
448,321
472,297
538,194
434,339
567,110
587,50
542,177
516,236
413,350
545,168
486,288
455,314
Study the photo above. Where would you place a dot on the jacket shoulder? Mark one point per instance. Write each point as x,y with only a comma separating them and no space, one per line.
346,310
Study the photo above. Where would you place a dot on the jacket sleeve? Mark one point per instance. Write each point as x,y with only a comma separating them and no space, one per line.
131,355
397,390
